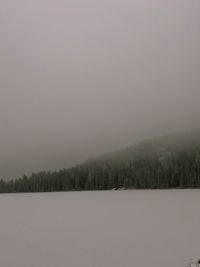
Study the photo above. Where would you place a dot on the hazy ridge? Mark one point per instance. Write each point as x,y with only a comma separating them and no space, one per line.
171,161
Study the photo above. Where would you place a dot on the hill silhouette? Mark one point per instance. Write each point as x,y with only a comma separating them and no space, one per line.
171,161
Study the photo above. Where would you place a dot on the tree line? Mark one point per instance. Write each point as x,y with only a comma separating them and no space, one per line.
170,170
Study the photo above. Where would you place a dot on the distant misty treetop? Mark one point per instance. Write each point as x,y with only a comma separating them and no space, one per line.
171,161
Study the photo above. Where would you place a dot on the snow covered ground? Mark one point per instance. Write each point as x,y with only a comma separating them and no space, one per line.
154,228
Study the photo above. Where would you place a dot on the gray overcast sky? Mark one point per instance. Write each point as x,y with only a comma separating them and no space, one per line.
82,77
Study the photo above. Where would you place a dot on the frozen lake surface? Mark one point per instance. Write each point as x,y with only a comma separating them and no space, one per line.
154,228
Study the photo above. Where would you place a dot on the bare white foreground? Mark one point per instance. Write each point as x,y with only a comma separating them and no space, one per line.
100,229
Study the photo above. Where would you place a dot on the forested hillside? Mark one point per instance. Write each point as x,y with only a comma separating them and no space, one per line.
171,161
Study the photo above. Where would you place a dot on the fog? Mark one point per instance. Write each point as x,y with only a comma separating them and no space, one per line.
81,78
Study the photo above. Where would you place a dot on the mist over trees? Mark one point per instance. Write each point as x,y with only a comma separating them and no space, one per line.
166,162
